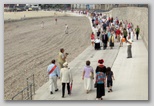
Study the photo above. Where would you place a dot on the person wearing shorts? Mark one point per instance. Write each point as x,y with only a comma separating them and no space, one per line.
109,76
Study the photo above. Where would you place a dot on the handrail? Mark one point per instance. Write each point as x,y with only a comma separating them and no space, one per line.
30,88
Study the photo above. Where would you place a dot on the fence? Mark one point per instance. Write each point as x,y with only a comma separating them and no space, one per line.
27,92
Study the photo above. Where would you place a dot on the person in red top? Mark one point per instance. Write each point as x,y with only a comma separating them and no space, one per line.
129,26
92,38
96,22
111,19
118,32
117,22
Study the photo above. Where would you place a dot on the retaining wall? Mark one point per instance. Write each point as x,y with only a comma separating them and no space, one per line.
136,15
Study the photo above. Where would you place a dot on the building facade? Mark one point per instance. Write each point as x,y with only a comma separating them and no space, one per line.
83,6
104,6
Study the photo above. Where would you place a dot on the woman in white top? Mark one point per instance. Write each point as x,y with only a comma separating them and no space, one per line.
66,78
129,47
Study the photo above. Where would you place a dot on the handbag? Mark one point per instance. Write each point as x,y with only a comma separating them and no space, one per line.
95,85
91,75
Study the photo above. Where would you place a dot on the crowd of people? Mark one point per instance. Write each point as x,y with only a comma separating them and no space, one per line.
106,29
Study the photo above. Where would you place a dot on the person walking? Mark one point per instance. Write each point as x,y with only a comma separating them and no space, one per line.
121,39
88,77
104,40
137,32
118,32
108,34
56,20
66,29
92,36
129,46
100,80
99,32
62,57
110,78
66,78
97,44
42,24
53,72
111,40
125,33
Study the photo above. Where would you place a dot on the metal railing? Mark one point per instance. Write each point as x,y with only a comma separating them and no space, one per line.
28,92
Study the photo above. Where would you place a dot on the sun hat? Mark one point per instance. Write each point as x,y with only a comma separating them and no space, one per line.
101,61
65,64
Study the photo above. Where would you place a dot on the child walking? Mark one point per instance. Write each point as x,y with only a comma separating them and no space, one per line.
110,77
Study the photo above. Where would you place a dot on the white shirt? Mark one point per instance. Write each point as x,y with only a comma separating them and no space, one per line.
129,41
97,41
66,26
65,75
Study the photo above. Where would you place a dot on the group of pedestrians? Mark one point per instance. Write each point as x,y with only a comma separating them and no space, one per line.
63,73
106,30
102,76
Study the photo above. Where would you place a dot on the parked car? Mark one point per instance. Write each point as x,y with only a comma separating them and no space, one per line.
35,7
20,8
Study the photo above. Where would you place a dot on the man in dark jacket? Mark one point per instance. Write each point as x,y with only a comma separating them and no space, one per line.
104,40
104,26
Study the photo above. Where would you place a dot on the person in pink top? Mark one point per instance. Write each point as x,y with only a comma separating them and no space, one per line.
88,80
129,26
92,38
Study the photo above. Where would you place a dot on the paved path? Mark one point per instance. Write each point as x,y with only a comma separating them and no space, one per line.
131,75
76,66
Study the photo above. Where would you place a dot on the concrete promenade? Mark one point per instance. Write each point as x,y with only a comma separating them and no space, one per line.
131,75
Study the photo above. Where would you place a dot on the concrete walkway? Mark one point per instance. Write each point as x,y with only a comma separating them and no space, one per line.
131,75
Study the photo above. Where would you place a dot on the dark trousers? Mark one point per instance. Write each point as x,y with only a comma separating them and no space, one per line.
63,88
100,91
137,35
125,37
97,46
104,45
129,51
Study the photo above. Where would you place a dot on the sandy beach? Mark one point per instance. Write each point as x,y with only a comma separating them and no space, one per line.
29,48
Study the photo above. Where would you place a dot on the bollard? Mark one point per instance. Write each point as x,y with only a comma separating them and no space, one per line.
33,84
31,91
27,89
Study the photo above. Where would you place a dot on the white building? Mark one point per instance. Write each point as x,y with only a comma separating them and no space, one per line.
82,6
